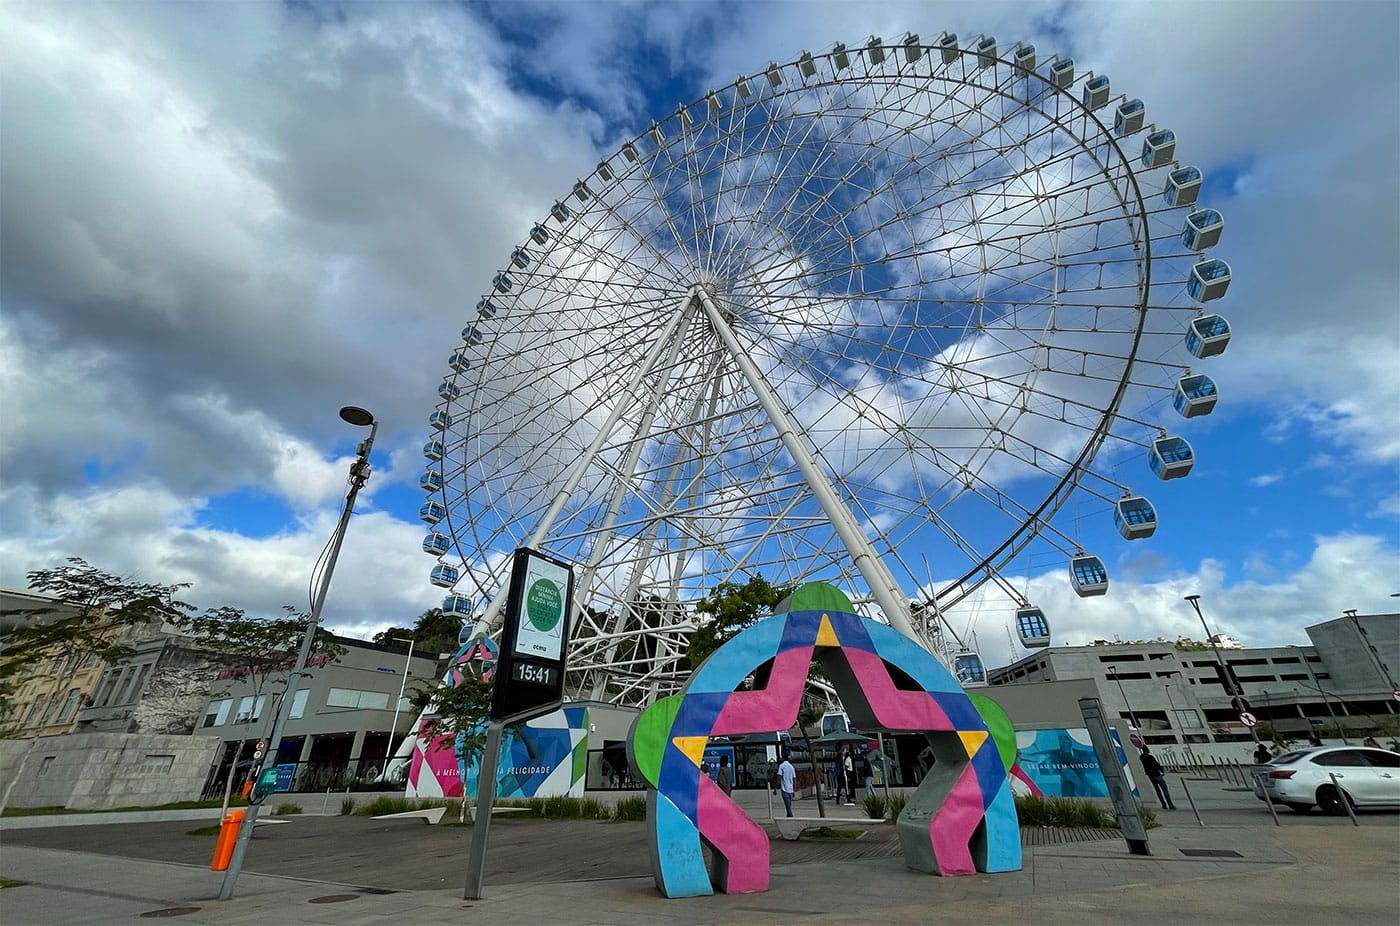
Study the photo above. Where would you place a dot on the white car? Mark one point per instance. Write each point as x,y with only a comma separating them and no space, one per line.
1303,779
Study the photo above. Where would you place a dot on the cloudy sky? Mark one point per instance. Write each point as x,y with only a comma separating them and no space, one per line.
221,222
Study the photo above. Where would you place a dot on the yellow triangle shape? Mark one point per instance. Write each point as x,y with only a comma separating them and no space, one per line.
973,740
826,635
694,746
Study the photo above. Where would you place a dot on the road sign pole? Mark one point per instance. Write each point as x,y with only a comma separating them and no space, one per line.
485,794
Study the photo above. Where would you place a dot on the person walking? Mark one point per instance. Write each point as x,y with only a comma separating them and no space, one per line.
840,775
1261,754
867,771
848,771
725,778
787,777
1153,768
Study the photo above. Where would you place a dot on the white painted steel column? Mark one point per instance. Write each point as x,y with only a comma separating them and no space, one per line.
887,593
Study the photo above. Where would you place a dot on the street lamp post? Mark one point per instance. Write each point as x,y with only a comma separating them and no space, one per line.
394,726
1320,690
359,475
1236,697
1124,695
1366,639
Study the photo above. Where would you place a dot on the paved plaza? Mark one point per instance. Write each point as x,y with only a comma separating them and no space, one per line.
1238,868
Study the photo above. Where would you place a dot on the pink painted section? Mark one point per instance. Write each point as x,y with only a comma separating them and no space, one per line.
952,826
894,709
772,708
742,842
441,763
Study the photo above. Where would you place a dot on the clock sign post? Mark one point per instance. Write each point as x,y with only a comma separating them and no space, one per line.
529,680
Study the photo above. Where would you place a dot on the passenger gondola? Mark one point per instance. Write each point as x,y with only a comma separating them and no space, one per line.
1032,627
1088,575
1171,457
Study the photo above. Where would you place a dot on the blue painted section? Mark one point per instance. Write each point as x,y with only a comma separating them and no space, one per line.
681,859
1003,842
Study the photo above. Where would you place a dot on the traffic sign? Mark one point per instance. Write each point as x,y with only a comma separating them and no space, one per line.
1396,694
1248,719
1135,740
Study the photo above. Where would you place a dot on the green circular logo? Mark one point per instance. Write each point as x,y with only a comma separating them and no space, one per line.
544,605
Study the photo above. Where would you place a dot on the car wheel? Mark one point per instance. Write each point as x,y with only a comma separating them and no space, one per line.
1331,801
1299,808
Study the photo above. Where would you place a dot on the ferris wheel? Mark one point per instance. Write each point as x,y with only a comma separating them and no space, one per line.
869,309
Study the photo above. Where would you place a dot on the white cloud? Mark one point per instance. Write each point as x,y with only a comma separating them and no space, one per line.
1265,479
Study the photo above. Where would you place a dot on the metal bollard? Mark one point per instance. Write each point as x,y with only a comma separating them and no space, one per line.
1343,796
1267,800
1192,801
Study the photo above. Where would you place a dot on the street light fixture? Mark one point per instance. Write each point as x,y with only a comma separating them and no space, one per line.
1303,655
394,726
359,475
1226,679
1131,716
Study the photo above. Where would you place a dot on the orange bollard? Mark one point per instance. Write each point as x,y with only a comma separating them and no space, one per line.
228,836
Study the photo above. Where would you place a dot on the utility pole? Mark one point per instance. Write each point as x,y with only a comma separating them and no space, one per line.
1227,679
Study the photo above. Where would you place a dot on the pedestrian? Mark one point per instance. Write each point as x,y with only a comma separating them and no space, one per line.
867,772
787,776
726,776
1153,768
1371,741
848,771
840,777
1261,754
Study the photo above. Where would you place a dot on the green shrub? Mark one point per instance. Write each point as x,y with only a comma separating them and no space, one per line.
630,808
347,806
286,810
875,806
1149,818
384,804
896,805
562,807
1034,810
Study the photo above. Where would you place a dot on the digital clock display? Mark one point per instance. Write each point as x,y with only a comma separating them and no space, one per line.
534,674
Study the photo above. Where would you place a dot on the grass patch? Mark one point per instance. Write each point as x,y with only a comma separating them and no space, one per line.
1149,817
875,806
11,882
204,831
1034,810
347,806
630,808
896,805
569,808
287,810
827,832
176,805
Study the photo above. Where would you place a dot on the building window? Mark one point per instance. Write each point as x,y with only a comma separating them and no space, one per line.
34,709
245,710
45,764
217,712
69,703
299,704
48,708
353,698
156,765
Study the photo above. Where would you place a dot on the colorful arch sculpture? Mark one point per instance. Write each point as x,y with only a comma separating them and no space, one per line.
959,821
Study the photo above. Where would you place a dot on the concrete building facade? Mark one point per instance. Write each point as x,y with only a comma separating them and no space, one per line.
1172,693
340,716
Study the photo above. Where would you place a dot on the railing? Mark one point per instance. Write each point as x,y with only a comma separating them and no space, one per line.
351,774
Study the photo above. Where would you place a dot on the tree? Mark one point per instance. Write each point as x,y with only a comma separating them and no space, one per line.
258,651
731,608
434,632
91,619
459,714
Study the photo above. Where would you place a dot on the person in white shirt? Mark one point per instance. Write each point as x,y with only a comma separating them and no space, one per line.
787,776
848,769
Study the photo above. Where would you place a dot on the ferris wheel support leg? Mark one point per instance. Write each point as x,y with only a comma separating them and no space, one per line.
887,593
624,404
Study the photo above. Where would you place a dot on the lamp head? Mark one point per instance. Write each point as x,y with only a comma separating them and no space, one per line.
357,416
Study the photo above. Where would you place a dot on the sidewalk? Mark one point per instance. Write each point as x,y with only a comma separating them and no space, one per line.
1311,870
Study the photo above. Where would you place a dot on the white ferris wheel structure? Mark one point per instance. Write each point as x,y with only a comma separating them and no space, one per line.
862,317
